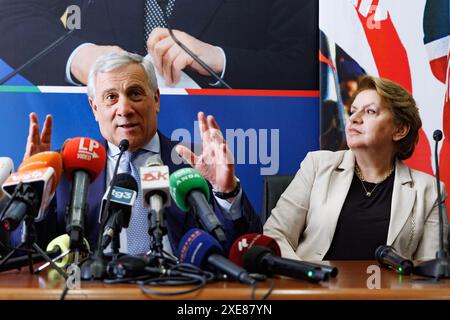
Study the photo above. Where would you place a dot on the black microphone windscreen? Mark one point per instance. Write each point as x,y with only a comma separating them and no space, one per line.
252,258
124,144
437,135
380,252
388,257
126,180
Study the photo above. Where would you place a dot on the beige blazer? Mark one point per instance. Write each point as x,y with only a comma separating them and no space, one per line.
304,219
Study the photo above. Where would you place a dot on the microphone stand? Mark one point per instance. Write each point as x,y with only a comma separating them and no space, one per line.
22,261
440,267
115,245
28,239
157,230
95,266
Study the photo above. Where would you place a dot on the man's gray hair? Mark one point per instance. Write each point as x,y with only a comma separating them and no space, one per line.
115,60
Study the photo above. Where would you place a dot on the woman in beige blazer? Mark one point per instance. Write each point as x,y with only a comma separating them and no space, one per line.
343,205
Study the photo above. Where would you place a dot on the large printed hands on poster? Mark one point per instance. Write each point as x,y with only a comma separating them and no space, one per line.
268,44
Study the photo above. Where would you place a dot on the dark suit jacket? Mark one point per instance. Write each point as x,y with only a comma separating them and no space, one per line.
269,44
178,222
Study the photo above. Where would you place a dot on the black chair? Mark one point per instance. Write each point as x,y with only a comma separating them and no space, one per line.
274,186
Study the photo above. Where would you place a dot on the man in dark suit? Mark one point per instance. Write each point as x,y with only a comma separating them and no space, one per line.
124,97
252,44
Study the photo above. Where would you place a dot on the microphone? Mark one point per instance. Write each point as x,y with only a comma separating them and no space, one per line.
261,254
124,144
6,169
126,267
388,257
95,267
62,245
247,241
31,188
263,260
200,249
437,135
46,50
191,193
439,267
83,160
58,250
123,196
156,196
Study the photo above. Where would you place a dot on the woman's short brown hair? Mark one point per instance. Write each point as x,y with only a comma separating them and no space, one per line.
403,107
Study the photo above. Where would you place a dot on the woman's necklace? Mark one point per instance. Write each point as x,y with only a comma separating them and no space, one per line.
361,178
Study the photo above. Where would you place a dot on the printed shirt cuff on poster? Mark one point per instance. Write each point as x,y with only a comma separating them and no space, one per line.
217,83
69,63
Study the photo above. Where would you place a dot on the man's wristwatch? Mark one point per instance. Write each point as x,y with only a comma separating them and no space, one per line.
228,195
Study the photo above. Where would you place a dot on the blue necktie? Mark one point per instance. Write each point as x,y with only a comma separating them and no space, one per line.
138,239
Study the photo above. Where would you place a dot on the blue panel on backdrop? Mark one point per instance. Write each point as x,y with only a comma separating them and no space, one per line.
296,120
268,135
17,80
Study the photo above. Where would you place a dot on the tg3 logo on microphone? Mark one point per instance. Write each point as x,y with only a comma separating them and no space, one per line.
122,195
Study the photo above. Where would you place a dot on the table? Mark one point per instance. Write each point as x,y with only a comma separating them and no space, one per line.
356,280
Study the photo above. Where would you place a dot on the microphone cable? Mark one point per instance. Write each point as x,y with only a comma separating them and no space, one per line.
269,291
185,274
179,275
182,274
192,54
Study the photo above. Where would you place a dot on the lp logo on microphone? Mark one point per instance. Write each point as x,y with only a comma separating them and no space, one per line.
86,149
